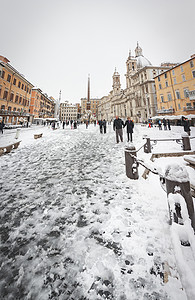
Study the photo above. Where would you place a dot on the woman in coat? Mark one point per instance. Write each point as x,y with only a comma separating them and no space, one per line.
130,125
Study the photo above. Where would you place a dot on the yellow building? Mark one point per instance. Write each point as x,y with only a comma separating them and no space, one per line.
175,89
15,94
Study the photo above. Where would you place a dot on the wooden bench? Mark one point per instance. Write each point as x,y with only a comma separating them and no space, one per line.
190,160
37,136
8,148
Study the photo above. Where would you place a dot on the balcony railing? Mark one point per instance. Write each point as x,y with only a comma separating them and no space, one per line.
166,111
187,108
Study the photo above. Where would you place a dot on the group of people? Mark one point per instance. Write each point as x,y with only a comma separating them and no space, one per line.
118,126
165,124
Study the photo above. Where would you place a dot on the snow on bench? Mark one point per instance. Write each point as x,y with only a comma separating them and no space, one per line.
190,159
8,148
38,135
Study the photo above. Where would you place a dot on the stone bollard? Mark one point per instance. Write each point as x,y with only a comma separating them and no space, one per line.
17,133
177,181
130,162
186,142
147,146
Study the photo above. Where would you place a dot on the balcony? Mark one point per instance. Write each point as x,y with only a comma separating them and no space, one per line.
188,108
166,111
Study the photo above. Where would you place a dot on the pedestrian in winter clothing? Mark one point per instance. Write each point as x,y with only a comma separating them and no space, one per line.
130,125
169,125
186,125
165,124
118,128
101,126
63,124
86,124
104,125
1,126
159,125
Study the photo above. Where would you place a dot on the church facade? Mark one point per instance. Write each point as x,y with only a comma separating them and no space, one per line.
138,100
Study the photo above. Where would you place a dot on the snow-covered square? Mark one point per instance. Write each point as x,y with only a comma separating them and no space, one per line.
74,226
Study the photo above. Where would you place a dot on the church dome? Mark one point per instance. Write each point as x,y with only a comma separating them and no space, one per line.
142,61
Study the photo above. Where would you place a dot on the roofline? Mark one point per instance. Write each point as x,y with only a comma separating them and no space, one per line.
179,64
15,71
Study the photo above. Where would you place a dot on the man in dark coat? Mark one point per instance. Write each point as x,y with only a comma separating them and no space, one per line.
118,127
130,125
1,125
186,125
101,126
104,125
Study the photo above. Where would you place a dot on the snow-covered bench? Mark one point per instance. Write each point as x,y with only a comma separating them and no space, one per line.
8,148
39,135
190,159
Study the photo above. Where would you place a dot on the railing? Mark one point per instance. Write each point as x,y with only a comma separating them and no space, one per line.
172,187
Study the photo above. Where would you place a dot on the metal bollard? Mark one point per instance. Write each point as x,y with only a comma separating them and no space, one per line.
186,142
147,146
17,133
130,162
177,181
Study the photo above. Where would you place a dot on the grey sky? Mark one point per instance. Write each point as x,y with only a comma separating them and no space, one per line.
56,44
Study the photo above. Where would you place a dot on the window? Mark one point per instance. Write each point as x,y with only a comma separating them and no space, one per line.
158,78
22,86
19,84
11,97
166,83
8,78
3,107
16,99
183,77
9,108
193,74
191,64
186,93
173,72
174,80
14,82
179,106
3,74
5,95
177,94
20,100
169,97
181,68
165,75
160,86
162,98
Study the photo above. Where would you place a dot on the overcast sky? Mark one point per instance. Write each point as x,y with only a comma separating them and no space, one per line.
56,44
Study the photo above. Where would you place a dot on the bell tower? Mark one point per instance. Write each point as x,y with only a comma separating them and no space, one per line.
131,65
116,82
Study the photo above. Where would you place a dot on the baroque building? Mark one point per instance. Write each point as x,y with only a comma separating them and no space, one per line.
175,89
41,105
15,94
138,100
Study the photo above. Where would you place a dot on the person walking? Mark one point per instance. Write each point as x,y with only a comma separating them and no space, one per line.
130,125
169,125
186,125
104,125
159,125
118,128
86,124
165,124
1,125
63,124
101,126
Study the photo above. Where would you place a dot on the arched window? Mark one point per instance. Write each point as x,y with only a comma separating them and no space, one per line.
3,107
9,108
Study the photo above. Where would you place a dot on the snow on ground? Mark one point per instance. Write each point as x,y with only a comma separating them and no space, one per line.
73,226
